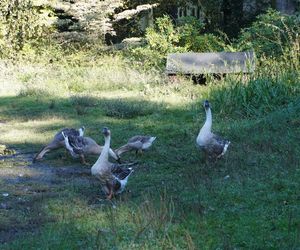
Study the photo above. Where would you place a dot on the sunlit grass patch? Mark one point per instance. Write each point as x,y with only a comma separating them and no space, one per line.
32,91
174,199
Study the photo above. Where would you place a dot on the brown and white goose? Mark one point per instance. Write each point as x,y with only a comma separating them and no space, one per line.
138,143
58,141
213,145
113,177
79,146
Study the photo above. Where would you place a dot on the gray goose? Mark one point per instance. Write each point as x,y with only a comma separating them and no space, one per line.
138,143
58,141
213,145
79,146
113,177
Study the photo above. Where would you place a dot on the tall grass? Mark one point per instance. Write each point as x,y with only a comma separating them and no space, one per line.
63,78
275,83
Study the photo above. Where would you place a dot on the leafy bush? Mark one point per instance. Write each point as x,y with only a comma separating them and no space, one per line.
271,33
167,37
19,25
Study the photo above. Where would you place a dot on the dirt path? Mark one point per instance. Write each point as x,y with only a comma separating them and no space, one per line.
25,188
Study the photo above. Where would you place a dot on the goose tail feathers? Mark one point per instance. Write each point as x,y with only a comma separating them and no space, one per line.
152,139
227,143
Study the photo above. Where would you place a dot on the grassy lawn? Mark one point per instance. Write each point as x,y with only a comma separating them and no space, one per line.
174,200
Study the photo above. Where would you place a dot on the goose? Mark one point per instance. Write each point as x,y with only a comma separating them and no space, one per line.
113,177
79,146
58,141
213,145
139,143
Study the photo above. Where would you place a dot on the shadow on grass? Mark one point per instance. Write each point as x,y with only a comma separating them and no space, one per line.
259,159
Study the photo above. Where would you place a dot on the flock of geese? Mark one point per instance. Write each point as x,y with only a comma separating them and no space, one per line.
113,176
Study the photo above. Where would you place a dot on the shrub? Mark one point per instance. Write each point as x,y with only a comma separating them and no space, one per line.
271,33
167,37
20,24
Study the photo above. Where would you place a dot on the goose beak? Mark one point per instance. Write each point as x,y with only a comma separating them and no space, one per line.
206,104
105,131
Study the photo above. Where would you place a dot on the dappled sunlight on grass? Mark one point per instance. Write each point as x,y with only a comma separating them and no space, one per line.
33,131
174,199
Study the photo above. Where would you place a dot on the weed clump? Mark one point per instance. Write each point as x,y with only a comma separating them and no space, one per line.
33,91
83,100
121,108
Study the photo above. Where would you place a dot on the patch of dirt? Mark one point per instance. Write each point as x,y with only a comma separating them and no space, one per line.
26,187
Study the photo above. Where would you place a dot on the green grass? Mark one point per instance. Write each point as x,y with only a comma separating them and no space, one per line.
247,200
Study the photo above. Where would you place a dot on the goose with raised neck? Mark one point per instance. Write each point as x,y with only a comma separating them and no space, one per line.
205,131
213,145
113,177
102,164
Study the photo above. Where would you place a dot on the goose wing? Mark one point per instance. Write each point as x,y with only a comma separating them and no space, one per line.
77,143
120,172
121,175
136,142
141,138
68,132
141,141
217,146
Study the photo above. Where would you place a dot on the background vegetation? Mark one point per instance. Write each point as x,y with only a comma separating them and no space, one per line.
175,200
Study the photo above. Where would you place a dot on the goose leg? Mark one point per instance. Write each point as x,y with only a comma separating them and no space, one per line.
51,146
40,154
83,161
109,196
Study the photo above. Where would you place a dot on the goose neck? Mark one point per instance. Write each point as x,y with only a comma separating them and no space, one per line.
208,121
104,154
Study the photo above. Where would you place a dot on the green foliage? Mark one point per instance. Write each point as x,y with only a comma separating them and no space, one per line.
167,37
19,25
256,97
271,33
164,37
